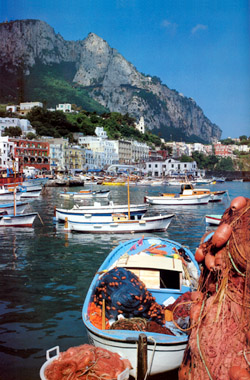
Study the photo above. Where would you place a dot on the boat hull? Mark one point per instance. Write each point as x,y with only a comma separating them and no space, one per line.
9,207
213,219
156,223
20,220
127,348
98,211
178,200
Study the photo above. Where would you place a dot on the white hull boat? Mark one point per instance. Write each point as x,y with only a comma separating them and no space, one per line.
31,193
98,210
18,220
213,219
161,279
121,224
178,199
8,194
9,208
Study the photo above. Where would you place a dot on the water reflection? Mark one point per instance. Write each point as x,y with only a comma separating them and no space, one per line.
45,274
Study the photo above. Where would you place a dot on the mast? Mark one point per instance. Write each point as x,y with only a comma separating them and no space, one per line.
14,192
128,200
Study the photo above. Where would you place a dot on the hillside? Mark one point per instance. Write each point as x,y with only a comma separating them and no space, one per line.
38,64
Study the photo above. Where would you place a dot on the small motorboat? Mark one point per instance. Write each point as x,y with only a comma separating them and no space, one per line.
213,219
189,195
133,291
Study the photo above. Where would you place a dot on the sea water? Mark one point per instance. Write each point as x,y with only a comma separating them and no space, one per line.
45,272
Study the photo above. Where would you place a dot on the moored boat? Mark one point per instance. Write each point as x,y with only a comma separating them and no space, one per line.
98,211
120,223
213,219
132,292
18,220
8,208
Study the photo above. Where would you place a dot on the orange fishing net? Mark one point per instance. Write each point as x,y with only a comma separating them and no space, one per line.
219,343
86,362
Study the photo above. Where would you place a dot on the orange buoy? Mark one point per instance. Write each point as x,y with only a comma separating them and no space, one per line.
199,255
238,203
210,261
238,373
221,235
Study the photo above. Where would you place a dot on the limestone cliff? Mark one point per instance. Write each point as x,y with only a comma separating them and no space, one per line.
109,78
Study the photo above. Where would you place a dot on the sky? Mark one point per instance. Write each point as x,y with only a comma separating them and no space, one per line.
201,48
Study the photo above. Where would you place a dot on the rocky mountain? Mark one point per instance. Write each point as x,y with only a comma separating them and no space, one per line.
100,70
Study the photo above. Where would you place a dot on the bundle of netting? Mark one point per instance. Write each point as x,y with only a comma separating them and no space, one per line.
219,343
125,294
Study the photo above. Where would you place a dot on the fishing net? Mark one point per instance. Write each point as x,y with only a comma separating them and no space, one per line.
86,362
140,324
125,294
219,342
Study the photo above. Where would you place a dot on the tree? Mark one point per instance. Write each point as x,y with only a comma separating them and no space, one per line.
12,131
225,164
30,136
185,158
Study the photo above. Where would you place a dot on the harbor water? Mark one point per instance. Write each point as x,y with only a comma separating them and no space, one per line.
45,273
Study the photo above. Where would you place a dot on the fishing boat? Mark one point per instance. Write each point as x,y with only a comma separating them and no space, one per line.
187,196
136,286
8,208
95,193
6,193
213,219
120,223
97,211
17,219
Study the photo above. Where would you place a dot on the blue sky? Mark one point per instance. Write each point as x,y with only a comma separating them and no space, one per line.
200,48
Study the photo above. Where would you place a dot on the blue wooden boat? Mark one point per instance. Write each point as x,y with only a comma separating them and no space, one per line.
147,274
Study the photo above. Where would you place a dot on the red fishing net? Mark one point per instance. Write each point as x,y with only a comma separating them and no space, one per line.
86,362
219,343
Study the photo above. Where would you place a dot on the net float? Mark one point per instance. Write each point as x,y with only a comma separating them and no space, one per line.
221,235
238,203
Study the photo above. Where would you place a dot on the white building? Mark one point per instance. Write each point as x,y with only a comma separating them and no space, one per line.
57,152
171,167
7,153
140,151
66,107
104,152
141,126
24,124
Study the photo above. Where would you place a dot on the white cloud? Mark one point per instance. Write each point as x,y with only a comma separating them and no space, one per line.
198,27
171,26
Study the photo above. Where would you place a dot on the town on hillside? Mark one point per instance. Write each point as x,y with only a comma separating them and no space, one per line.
98,152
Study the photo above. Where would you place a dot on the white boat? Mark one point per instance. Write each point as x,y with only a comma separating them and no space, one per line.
213,219
8,208
95,193
189,195
121,223
18,220
6,194
29,193
133,280
98,211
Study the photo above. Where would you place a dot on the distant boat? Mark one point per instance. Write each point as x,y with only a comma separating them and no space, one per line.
189,195
18,220
8,208
138,276
213,219
237,180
